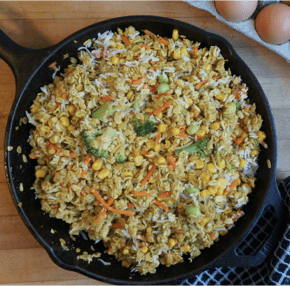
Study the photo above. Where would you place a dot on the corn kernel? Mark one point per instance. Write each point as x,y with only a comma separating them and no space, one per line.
103,174
228,90
261,135
247,188
120,46
157,148
243,163
220,96
126,251
51,122
115,60
245,135
183,51
190,101
199,164
220,192
238,131
212,190
113,44
71,110
215,126
222,183
171,242
40,173
175,130
126,263
175,34
254,153
98,164
204,221
176,54
64,121
207,67
223,232
203,127
200,133
181,238
144,249
159,115
149,110
211,168
167,144
148,230
138,160
204,176
185,248
44,128
34,108
161,160
70,128
153,181
150,144
204,193
130,94
162,127
222,163
128,174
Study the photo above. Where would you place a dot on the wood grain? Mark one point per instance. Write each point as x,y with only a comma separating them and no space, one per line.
37,24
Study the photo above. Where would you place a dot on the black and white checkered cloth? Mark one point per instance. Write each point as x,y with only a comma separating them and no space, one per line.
274,271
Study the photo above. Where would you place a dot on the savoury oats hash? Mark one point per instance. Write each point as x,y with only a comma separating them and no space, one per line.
146,143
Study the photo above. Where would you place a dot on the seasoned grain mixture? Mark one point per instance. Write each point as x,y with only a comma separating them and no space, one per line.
146,143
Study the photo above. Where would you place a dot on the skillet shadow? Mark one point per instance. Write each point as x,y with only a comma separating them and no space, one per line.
21,30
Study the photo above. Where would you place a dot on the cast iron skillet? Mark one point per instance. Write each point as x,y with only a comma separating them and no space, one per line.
31,71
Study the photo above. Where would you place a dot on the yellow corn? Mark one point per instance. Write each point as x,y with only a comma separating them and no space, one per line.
212,190
130,94
128,174
103,174
157,148
183,51
171,242
203,127
44,128
175,130
261,135
148,230
185,248
220,96
254,153
190,101
199,164
159,115
204,193
144,249
149,110
98,164
204,176
167,144
200,133
222,163
71,110
113,44
204,221
161,160
162,127
34,108
71,128
223,232
64,121
245,135
126,251
228,90
211,168
175,34
222,183
215,126
207,67
153,180
247,188
40,173
238,132
115,60
51,122
181,238
150,144
220,192
176,54
243,163
138,160
120,46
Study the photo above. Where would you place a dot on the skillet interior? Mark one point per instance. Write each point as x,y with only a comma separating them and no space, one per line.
40,224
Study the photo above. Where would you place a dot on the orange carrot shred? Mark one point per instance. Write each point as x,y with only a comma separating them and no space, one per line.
157,138
246,108
163,41
212,235
126,40
33,156
130,205
239,141
182,135
200,84
233,184
165,194
150,34
117,225
161,108
159,204
149,175
145,153
142,194
136,152
195,113
180,231
264,144
171,160
171,167
107,98
52,65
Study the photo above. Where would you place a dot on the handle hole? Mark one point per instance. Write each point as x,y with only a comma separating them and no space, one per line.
257,237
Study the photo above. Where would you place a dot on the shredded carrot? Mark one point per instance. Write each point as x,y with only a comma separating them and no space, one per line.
264,144
101,215
54,206
130,205
180,231
58,104
137,81
216,77
107,98
200,84
149,175
212,235
83,193
237,126
145,153
171,167
117,225
33,156
171,161
90,230
246,108
110,250
73,155
239,141
52,65
122,212
246,129
165,194
162,107
151,88
144,46
194,50
65,95
150,34
201,137
238,94
126,40
159,204
99,197
142,194
157,138
182,135
233,184
158,176
136,152
163,41
167,93
195,113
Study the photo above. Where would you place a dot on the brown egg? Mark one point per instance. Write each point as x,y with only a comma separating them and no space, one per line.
236,11
273,23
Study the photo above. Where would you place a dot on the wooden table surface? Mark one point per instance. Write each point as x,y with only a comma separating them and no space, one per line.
42,24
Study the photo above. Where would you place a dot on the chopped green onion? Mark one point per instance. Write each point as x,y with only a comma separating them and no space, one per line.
232,108
192,129
238,105
218,155
192,210
163,87
192,189
163,78
136,105
229,167
256,142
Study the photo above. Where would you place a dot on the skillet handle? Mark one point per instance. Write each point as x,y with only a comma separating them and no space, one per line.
21,60
231,259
